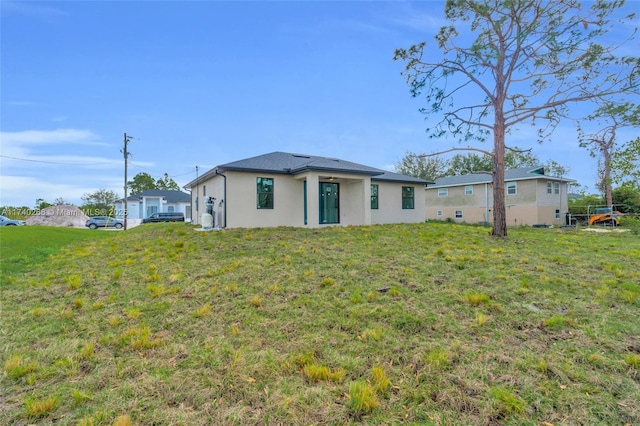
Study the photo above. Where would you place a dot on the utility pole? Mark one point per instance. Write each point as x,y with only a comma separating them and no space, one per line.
126,155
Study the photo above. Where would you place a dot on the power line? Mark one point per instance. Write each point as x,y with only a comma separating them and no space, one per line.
155,172
94,164
56,162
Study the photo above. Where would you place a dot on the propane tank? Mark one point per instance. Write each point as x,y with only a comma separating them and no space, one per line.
207,220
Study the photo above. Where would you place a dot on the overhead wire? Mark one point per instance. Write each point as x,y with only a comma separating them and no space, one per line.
57,162
94,164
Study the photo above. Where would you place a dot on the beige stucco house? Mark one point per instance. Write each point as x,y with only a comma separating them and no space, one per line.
283,189
531,198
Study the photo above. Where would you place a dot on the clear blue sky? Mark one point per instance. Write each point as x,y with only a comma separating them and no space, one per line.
205,83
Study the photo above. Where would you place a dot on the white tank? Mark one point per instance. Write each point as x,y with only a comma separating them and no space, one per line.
207,221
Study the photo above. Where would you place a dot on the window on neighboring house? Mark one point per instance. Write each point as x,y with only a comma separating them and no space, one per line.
512,188
468,190
204,190
458,214
549,188
557,213
439,213
265,192
407,197
374,197
443,192
556,188
170,209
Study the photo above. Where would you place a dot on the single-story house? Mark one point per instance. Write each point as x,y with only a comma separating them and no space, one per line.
144,203
531,197
283,189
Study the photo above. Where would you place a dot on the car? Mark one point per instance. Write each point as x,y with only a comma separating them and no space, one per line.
5,221
103,222
164,217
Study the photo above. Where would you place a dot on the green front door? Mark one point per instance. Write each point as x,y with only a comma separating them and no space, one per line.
329,203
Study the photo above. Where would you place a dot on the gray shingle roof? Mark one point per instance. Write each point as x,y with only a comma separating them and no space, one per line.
282,162
522,173
170,195
287,163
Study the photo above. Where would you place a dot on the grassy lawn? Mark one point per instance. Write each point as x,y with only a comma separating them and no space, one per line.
396,324
22,247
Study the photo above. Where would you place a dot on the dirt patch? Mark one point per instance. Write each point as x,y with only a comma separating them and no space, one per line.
62,215
605,230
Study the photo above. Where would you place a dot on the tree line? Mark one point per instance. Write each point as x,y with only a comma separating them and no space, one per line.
98,203
431,167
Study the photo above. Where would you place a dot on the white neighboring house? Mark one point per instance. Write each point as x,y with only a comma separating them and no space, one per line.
145,203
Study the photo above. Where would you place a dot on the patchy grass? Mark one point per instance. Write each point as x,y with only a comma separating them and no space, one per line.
23,247
417,324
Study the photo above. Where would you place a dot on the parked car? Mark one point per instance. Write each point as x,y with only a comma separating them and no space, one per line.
5,221
164,217
103,222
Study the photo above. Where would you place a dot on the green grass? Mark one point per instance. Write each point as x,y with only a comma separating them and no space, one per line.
22,247
397,324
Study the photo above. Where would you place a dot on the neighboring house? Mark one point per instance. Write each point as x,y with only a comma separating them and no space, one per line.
283,189
531,198
143,204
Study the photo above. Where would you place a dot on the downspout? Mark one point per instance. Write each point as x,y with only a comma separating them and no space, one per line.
224,196
486,203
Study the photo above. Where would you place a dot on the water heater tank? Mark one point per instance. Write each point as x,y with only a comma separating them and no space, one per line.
207,221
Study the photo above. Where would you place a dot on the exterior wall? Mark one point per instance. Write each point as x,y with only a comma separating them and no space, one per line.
289,202
531,205
132,206
390,204
213,187
475,207
242,204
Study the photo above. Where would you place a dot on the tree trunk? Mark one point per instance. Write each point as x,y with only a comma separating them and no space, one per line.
499,211
606,151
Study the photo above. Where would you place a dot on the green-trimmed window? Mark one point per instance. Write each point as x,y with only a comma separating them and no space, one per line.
407,197
374,197
265,192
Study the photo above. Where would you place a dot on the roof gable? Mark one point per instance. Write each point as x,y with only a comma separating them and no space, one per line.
288,163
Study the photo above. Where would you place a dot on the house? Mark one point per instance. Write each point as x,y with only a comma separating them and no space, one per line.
531,197
144,203
283,189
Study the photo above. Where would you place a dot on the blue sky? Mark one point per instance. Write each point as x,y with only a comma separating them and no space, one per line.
205,83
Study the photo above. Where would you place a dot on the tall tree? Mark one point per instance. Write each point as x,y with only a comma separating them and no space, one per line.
141,182
167,183
462,164
422,166
626,165
144,181
514,158
602,144
529,61
101,199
